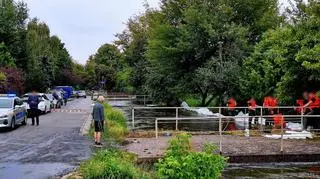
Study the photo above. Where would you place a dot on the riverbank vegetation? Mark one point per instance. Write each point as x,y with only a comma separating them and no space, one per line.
211,50
116,127
180,161
30,57
204,49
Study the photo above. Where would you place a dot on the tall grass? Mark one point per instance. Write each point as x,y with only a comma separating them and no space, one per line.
181,162
111,163
115,128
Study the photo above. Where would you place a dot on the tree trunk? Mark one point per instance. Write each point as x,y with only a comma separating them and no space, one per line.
209,101
204,99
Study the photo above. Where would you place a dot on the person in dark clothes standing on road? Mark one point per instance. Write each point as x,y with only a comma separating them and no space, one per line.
33,102
98,119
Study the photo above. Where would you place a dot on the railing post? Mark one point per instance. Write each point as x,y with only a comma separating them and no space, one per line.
302,120
220,131
261,126
144,100
281,147
132,118
177,116
156,125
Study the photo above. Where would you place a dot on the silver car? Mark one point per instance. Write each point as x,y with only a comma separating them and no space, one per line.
12,111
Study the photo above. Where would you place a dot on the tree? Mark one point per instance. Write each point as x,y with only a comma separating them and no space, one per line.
133,41
13,16
184,39
80,75
257,15
107,62
215,78
12,80
5,56
38,50
3,82
92,77
286,61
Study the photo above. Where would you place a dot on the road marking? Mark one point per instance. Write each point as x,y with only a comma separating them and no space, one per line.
28,144
70,110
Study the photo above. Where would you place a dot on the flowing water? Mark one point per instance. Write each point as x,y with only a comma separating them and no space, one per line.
145,120
270,171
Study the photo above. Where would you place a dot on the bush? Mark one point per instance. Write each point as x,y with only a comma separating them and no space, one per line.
181,162
116,128
110,164
114,131
179,146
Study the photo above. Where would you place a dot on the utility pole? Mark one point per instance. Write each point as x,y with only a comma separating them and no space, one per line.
220,64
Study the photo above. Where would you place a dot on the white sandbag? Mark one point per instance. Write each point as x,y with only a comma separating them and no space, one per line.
294,126
291,135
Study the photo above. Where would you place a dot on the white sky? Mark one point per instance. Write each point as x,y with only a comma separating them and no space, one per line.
84,25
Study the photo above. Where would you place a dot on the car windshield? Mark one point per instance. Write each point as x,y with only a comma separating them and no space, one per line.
6,103
49,96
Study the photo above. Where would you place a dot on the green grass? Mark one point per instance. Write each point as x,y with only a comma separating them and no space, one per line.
180,160
115,128
195,101
111,163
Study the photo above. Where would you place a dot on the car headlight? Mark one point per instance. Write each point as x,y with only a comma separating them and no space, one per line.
3,116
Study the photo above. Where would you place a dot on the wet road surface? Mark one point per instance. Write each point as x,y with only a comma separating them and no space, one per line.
51,149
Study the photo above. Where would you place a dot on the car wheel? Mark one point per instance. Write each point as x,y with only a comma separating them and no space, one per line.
13,123
24,122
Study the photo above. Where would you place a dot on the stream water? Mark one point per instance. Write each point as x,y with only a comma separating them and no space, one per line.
268,171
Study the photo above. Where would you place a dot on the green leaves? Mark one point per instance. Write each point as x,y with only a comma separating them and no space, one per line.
5,56
181,162
286,61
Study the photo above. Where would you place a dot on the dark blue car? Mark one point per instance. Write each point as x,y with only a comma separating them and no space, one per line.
68,91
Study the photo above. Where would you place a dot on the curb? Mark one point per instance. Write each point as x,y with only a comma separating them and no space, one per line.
84,130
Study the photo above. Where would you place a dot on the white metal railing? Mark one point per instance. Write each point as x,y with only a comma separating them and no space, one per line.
259,109
139,98
220,124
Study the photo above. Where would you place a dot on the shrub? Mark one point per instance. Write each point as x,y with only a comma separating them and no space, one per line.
181,162
110,164
179,146
114,131
116,125
116,128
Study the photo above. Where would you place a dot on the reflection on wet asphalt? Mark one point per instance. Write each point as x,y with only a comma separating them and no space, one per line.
50,149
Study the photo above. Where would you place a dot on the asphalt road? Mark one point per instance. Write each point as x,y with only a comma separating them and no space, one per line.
49,150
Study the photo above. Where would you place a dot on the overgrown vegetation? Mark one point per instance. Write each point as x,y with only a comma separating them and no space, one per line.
216,49
111,163
181,162
28,52
116,128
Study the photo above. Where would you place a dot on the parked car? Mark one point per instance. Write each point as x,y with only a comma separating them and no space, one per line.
55,103
82,94
44,106
94,96
12,111
74,94
60,100
68,90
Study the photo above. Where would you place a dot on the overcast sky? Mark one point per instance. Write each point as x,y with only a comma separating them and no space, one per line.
84,25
